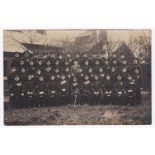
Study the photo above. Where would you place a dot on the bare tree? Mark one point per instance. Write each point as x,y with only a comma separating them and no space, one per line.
142,44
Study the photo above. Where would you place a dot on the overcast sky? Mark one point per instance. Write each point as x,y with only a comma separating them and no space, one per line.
52,36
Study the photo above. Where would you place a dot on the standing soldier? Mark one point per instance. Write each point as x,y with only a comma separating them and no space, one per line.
40,64
74,90
56,64
16,90
41,91
113,73
119,91
86,90
96,90
86,66
76,69
90,73
31,67
15,63
108,90
124,73
137,76
57,73
53,58
61,59
106,66
69,57
63,87
30,90
67,73
77,57
52,90
130,90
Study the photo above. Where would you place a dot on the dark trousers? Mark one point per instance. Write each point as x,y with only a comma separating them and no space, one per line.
85,98
96,99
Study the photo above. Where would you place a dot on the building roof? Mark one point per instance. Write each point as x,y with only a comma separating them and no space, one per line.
40,47
8,54
126,51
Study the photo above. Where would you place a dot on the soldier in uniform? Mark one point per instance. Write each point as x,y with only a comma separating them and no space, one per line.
15,63
76,69
74,90
63,87
61,59
86,90
69,57
53,58
30,90
22,63
90,73
96,90
41,91
119,91
40,64
86,65
52,90
16,91
136,73
101,74
138,79
113,73
31,66
130,90
77,57
106,66
56,64
57,73
67,73
124,73
23,74
108,90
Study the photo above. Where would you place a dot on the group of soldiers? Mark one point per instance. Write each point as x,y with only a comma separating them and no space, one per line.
62,78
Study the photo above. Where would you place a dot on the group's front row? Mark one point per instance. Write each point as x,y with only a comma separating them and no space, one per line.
77,90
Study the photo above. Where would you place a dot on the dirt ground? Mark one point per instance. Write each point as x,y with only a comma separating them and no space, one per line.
82,115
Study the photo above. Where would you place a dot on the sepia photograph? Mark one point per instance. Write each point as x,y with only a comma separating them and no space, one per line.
77,77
